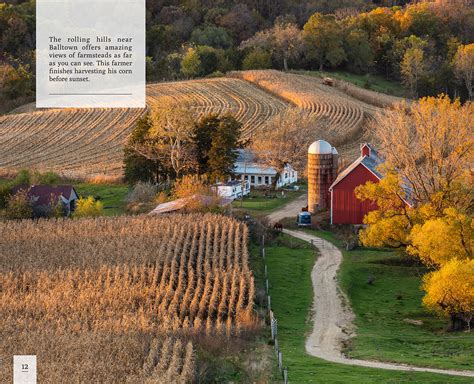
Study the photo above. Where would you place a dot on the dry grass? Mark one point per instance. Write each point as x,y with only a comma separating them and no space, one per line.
69,287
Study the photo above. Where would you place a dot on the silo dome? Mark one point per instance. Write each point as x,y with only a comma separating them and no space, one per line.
320,147
334,151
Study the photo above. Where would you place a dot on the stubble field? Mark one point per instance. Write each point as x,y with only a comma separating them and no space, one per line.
88,143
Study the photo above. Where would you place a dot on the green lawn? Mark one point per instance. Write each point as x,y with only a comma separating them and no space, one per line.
390,303
291,290
372,82
112,196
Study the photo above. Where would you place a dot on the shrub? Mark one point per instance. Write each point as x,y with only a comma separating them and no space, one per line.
23,177
19,206
142,192
88,207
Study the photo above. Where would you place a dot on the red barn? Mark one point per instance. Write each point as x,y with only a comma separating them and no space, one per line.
345,207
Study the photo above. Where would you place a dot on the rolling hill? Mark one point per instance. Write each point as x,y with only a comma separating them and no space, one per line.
88,143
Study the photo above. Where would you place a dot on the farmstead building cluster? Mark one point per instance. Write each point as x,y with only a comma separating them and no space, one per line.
328,188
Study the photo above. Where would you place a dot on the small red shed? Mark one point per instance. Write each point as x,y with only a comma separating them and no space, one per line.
345,207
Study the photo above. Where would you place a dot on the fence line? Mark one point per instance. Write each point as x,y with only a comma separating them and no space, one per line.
273,320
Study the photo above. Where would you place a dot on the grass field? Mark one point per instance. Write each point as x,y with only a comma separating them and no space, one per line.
289,267
391,303
372,82
112,196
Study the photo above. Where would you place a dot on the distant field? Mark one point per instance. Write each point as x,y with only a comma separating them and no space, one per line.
88,143
138,292
341,116
369,82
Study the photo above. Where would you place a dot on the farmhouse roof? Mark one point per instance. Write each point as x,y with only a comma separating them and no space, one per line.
247,163
42,194
371,162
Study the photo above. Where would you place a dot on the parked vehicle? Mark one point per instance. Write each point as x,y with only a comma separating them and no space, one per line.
303,219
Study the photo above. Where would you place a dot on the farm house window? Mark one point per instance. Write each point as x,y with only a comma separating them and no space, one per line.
252,179
286,175
246,177
260,180
266,180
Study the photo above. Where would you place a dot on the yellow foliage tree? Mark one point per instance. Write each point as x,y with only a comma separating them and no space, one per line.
390,224
88,207
450,291
437,240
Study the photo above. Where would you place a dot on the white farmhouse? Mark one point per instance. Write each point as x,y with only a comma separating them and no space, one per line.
247,168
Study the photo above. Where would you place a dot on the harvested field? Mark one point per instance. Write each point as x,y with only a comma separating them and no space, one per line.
249,104
88,143
149,284
342,115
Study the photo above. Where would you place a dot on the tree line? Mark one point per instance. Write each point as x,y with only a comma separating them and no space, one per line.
168,143
414,43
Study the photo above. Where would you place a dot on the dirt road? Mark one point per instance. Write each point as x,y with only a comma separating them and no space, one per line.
332,315
289,210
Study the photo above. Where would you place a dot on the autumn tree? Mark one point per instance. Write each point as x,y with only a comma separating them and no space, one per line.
413,64
169,140
430,144
323,39
283,41
198,190
425,198
285,139
437,240
450,292
216,138
138,167
191,63
19,206
88,207
464,66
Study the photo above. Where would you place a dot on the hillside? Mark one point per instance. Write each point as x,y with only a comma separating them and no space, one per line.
89,142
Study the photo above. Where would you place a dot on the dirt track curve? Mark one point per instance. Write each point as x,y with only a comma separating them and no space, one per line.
332,314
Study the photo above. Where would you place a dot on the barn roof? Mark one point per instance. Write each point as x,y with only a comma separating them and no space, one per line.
42,194
370,162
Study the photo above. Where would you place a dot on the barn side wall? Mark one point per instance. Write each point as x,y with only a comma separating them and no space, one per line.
346,208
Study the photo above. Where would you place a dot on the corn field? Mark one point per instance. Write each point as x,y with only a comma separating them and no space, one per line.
134,279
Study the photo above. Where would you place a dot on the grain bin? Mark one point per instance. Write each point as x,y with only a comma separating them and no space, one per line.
322,170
